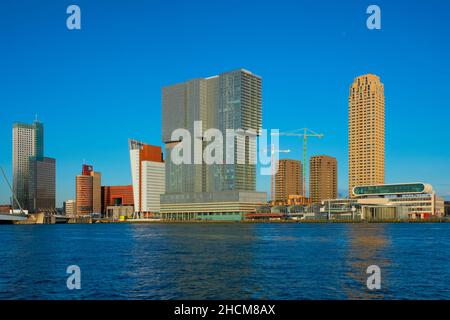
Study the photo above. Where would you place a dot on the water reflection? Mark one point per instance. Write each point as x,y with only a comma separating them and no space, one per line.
190,261
225,261
366,244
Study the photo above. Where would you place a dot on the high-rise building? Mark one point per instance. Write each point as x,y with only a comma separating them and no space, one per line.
322,178
33,174
42,187
117,196
231,100
288,179
96,192
148,176
366,132
88,191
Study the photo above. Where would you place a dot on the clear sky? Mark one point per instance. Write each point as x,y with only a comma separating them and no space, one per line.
96,87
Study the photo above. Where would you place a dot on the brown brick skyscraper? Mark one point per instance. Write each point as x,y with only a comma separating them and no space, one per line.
322,178
288,179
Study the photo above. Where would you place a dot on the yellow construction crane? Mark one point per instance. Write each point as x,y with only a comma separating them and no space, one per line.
305,133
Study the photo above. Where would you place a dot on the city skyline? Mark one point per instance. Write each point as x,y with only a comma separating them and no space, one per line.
109,99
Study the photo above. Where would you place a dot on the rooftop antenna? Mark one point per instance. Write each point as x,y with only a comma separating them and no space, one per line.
36,118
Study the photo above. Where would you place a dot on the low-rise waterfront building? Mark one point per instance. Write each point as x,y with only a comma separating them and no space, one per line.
418,199
116,196
116,213
291,200
225,206
387,202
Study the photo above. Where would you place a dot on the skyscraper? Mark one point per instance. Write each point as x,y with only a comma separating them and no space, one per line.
288,179
322,178
231,100
148,176
42,187
366,132
88,191
33,174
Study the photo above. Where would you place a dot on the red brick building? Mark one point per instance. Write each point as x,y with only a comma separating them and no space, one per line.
117,196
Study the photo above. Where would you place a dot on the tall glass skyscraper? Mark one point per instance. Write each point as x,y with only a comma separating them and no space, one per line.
33,174
231,100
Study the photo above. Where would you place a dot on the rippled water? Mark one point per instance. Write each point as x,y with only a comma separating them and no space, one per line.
225,261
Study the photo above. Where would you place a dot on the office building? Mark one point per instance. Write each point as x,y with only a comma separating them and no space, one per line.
117,196
42,189
70,208
288,179
33,174
322,178
148,177
231,100
88,191
366,132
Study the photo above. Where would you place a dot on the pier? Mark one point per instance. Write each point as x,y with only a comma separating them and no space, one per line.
8,218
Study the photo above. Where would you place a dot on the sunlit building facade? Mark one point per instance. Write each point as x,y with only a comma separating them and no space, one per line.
288,179
231,100
33,174
322,178
148,177
366,131
117,196
88,191
417,200
400,201
70,208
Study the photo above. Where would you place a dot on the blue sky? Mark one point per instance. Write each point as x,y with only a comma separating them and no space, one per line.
96,87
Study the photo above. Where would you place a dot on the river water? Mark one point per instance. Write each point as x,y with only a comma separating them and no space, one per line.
225,261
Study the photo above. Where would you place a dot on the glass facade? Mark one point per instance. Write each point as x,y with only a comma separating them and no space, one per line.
42,189
231,100
389,189
28,145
